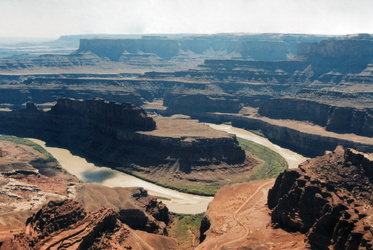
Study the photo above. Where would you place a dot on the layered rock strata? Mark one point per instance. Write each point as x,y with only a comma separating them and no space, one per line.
66,224
340,119
28,179
329,199
124,134
134,206
309,140
200,103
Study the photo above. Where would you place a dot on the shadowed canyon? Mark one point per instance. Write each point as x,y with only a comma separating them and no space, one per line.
152,106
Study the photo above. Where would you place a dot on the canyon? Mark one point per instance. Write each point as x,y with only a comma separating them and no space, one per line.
178,151
306,93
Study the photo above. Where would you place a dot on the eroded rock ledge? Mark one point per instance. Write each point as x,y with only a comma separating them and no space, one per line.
329,198
66,224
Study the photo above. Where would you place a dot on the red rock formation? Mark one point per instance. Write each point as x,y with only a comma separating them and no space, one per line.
329,198
134,206
66,224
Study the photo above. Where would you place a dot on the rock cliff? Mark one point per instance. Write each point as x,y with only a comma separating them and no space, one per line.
303,138
200,103
349,55
122,134
340,119
329,199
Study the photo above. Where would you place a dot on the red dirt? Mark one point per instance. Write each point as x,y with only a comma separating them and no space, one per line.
239,217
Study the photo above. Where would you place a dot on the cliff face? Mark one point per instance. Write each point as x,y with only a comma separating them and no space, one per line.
122,115
114,48
122,134
329,199
350,55
247,47
303,142
333,118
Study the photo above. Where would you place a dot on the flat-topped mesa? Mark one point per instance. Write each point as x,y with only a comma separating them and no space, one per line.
123,115
349,55
114,48
123,135
329,198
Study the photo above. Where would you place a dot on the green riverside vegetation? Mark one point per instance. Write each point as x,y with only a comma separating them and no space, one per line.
185,228
273,164
23,141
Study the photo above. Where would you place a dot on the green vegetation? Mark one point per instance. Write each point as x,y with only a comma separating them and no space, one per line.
258,132
185,228
162,198
23,141
273,164
198,189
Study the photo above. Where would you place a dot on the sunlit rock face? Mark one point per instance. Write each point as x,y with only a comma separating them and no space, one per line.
329,198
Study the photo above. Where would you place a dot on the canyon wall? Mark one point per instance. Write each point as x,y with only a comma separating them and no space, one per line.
16,96
197,103
114,133
246,47
334,118
306,143
349,55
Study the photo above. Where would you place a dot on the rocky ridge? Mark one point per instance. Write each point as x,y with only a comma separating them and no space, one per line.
66,224
329,199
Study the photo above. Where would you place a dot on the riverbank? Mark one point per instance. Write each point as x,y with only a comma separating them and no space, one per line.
177,202
293,159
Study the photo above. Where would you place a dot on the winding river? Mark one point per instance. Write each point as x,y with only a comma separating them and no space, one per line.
176,201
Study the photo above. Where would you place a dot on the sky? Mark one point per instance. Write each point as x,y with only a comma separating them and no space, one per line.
53,18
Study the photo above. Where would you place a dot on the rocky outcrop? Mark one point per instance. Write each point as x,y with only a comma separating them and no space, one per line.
329,199
28,179
66,224
340,119
134,206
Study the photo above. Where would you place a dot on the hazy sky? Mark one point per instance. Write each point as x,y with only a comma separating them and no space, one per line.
52,18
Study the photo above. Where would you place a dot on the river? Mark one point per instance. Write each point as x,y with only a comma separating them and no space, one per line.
293,159
178,202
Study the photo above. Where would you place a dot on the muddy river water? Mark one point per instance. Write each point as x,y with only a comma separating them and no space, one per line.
176,201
